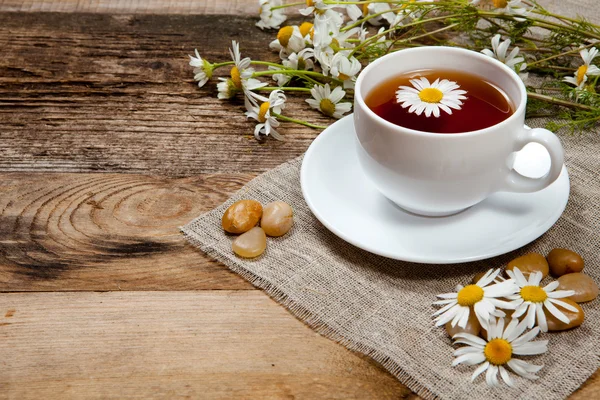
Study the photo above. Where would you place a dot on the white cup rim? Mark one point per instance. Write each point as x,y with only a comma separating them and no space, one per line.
520,108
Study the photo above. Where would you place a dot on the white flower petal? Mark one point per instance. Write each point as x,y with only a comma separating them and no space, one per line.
505,377
469,339
563,304
469,359
530,317
556,312
541,317
480,370
551,286
558,294
531,348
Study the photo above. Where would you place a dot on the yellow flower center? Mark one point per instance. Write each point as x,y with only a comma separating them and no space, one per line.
263,110
343,77
581,71
469,295
236,78
310,3
406,5
327,107
500,3
306,28
365,9
301,63
498,351
284,35
534,294
431,95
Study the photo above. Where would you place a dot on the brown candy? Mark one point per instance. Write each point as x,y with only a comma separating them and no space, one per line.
563,261
472,326
277,218
532,262
241,216
575,318
584,286
250,244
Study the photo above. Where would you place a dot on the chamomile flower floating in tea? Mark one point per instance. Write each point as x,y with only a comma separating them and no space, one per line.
328,101
587,69
267,122
498,351
533,299
431,97
482,297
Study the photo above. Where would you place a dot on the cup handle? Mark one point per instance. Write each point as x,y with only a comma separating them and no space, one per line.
515,182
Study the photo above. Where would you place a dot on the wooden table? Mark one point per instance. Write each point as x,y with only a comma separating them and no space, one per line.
107,146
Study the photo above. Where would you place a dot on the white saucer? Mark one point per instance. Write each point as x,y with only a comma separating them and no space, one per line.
341,197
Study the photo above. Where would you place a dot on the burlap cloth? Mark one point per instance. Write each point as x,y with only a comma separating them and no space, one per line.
382,307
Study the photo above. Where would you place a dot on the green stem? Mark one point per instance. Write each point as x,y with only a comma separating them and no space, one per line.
297,121
539,22
222,64
284,88
292,72
420,22
554,100
560,55
300,3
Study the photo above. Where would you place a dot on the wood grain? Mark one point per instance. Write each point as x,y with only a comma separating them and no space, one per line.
108,232
89,93
207,344
236,7
134,6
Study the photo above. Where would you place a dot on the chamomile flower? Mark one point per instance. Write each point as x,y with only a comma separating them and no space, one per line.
533,299
497,353
289,40
379,9
499,53
240,77
296,61
354,12
269,18
267,122
483,297
430,97
227,89
202,69
511,7
320,9
328,101
581,76
345,69
408,11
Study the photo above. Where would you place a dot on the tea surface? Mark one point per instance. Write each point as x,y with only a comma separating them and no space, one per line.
485,106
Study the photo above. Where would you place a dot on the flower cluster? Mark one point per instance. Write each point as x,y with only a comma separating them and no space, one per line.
321,57
489,298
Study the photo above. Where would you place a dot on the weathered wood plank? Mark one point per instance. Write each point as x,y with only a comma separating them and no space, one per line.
207,344
108,232
84,93
134,6
237,7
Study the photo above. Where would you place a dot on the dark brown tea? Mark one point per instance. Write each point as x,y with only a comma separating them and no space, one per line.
485,104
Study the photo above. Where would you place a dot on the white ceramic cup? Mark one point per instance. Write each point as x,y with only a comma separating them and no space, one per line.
441,174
